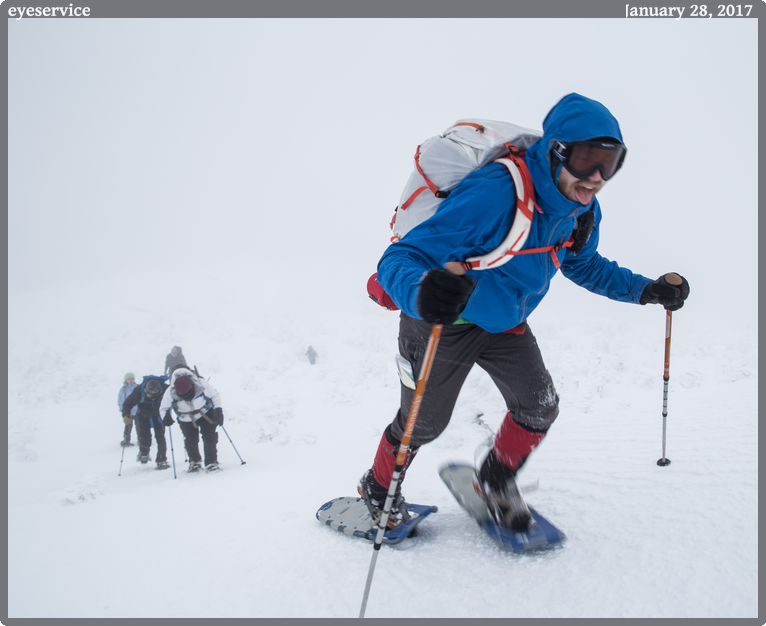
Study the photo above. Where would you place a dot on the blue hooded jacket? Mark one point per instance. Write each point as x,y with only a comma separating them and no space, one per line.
123,394
475,218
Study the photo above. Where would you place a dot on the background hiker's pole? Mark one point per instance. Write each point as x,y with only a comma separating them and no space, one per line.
209,421
232,444
172,455
666,377
121,457
401,457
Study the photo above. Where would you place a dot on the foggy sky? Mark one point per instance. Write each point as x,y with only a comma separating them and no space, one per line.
278,144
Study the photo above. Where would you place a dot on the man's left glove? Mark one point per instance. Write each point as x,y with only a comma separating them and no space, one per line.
669,290
217,416
168,419
127,419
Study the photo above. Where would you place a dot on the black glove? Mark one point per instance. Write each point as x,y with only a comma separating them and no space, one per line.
217,416
168,419
443,296
669,290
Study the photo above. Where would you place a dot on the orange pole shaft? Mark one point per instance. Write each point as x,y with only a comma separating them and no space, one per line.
668,326
425,372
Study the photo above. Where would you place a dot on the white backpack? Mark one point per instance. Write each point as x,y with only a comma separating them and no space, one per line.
441,162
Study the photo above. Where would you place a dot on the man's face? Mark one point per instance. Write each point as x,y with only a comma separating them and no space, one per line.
580,190
130,381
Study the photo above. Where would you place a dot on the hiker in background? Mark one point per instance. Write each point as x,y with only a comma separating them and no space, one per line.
176,357
312,355
197,406
128,385
146,398
429,275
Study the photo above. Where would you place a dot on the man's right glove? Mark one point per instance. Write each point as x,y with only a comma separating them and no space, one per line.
443,296
168,419
127,419
669,290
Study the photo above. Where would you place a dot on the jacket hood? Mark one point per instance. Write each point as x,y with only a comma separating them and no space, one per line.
577,118
573,118
183,371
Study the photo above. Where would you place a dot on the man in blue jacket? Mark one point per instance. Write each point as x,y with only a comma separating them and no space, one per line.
485,312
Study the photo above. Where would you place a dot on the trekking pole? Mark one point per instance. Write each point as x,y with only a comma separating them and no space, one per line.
232,444
172,456
401,457
666,377
227,436
121,457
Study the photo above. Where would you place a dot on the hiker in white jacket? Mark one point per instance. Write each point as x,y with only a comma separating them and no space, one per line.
197,406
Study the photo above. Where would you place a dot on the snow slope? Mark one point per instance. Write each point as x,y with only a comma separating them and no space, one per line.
233,197
643,541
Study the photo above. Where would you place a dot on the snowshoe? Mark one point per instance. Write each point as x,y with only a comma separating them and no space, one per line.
142,458
212,467
351,517
163,465
194,466
540,533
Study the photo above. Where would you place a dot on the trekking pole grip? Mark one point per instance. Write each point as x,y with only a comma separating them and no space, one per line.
673,279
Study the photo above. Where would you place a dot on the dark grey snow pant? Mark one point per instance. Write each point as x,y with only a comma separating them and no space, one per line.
513,361
191,432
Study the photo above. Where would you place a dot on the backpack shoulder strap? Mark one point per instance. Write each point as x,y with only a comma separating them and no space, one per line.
522,221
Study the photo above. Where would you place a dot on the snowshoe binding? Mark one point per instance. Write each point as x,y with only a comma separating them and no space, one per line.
505,504
143,458
194,466
212,467
163,465
374,496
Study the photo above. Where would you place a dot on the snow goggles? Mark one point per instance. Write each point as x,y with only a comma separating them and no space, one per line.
583,158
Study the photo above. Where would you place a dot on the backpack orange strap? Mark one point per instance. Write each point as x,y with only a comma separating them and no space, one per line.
552,249
429,185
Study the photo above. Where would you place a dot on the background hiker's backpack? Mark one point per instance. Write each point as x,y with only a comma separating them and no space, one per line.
441,162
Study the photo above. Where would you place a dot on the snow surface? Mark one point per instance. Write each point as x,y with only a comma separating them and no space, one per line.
643,541
233,198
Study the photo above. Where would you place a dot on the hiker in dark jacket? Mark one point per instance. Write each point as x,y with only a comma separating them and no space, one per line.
147,398
175,358
485,313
